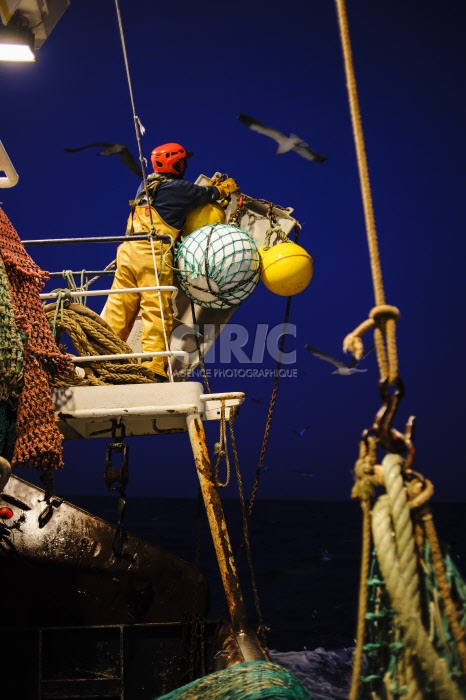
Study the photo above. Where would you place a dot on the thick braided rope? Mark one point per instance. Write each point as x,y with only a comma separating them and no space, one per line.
38,441
91,335
403,598
392,465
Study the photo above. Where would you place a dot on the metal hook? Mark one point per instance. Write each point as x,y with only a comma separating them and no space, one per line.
387,437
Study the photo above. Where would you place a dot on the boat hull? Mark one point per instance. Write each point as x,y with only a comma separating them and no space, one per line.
60,568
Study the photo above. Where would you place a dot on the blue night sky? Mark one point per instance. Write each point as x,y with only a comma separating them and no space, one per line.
194,66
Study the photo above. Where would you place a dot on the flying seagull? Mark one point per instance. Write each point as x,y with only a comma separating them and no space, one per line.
285,143
110,149
341,367
302,432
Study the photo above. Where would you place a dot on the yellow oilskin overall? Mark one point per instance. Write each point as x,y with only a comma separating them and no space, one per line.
135,268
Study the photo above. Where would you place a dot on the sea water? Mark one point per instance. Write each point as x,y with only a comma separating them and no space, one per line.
306,561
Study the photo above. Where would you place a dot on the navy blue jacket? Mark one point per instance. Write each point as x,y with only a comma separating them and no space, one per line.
173,198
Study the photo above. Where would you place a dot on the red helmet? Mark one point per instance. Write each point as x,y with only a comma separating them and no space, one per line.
170,158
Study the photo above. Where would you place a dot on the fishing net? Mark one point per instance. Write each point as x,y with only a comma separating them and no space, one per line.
218,266
38,441
389,668
11,368
251,680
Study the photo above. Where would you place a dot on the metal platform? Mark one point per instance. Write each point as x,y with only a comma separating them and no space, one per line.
144,409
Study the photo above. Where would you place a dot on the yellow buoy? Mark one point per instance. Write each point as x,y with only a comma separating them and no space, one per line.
287,268
207,214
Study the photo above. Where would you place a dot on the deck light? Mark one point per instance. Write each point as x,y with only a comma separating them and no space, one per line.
17,40
16,44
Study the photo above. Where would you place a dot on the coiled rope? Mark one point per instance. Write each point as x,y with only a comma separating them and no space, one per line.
398,564
91,335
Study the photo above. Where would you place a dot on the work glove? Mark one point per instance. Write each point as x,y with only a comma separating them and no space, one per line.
226,187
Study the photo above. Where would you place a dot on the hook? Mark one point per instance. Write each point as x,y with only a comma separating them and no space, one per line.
387,437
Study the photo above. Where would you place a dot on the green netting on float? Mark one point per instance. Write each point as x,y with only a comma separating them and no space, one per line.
218,266
251,680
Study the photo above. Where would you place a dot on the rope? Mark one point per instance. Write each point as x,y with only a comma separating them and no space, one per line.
398,563
139,129
270,412
358,655
261,631
382,317
414,664
401,550
91,335
425,516
273,397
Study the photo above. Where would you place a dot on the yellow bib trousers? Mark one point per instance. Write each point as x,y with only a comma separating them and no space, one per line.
135,268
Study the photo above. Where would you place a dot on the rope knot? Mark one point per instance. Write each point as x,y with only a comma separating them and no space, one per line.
382,313
382,318
353,344
279,235
364,471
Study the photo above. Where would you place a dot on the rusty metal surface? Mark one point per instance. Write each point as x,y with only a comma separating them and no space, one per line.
59,568
217,524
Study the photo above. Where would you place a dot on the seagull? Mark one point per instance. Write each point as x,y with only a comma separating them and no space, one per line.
109,149
341,367
285,143
302,432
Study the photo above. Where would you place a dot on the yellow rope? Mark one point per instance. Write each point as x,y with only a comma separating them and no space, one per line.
358,656
91,335
382,317
393,539
451,612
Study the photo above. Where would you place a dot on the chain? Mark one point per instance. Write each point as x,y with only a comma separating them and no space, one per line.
221,450
118,476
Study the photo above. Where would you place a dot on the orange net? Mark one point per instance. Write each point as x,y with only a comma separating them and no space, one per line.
38,440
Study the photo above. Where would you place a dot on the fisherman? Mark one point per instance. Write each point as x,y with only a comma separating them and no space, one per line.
161,207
